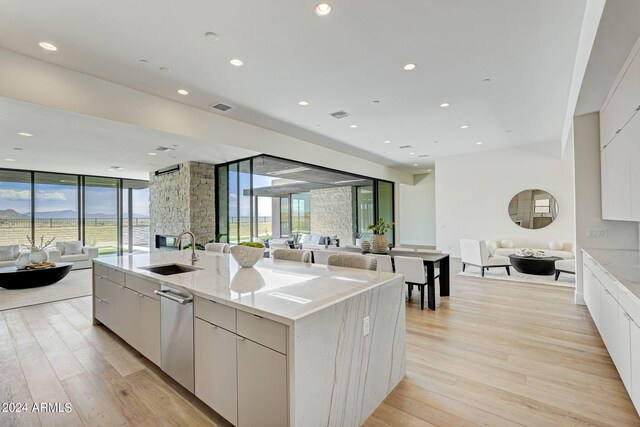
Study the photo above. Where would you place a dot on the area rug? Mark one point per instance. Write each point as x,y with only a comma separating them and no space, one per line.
76,284
566,280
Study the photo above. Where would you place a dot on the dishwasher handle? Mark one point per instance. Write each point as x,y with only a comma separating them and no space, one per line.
169,295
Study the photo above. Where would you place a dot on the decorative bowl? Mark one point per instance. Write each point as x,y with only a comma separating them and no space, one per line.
524,252
539,254
246,256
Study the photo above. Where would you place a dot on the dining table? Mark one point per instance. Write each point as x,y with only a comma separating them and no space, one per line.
430,260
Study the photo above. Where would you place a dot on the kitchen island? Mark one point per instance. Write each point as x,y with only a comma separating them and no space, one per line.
283,343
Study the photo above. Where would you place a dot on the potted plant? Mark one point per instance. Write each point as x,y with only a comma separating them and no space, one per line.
37,252
379,242
248,253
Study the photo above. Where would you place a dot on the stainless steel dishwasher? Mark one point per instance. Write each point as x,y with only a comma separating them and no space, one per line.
176,335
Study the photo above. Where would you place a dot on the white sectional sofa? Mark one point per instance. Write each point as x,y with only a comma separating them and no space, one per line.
81,256
318,241
507,246
9,255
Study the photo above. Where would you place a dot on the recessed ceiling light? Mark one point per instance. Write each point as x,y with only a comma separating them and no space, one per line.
151,154
412,153
48,46
387,142
303,103
479,143
353,126
211,35
10,160
236,62
464,127
25,134
445,104
409,67
323,9
183,92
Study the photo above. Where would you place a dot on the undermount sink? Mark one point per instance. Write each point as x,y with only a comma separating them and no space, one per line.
170,269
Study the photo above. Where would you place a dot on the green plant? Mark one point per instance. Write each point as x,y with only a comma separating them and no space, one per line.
199,246
380,227
252,244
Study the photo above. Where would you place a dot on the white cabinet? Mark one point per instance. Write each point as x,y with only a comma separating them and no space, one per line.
623,362
149,337
609,322
591,292
631,134
635,363
622,104
262,386
606,182
216,369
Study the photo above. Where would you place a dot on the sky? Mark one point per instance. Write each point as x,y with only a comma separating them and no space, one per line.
49,197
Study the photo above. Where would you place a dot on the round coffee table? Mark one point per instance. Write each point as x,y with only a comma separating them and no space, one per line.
545,266
11,278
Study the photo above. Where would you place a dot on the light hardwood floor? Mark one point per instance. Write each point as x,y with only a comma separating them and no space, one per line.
494,353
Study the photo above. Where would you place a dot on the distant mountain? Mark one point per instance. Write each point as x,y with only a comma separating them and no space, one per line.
68,213
11,214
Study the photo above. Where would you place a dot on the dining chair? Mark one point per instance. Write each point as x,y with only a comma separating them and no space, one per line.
383,261
353,261
217,247
413,270
322,257
297,255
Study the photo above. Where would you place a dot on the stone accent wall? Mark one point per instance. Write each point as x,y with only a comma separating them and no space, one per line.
183,200
332,212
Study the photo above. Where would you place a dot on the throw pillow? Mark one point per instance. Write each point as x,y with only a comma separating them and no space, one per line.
315,239
6,253
60,247
73,248
556,245
506,244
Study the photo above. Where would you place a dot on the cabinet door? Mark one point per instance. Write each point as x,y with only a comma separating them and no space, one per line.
619,189
262,386
623,364
125,314
149,336
623,102
591,294
101,310
216,369
635,364
632,133
609,321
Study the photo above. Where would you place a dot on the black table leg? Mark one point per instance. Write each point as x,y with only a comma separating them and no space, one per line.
431,300
444,277
422,298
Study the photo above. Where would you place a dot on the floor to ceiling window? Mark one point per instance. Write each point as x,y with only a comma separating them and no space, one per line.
101,214
135,216
267,197
57,212
15,207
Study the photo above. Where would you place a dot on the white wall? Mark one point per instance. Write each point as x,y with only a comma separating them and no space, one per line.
473,193
417,211
620,234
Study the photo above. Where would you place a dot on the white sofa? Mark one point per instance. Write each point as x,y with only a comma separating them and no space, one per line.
80,260
318,241
9,255
506,246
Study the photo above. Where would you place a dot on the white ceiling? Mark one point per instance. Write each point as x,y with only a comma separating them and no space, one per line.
344,61
79,144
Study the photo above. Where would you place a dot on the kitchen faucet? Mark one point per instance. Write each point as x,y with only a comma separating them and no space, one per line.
194,257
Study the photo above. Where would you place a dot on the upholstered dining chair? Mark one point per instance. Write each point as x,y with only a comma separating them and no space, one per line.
217,247
297,255
413,270
353,261
476,253
384,262
322,257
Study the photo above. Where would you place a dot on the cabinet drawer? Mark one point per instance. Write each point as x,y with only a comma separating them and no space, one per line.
102,288
100,270
263,331
101,310
143,286
116,276
629,303
216,313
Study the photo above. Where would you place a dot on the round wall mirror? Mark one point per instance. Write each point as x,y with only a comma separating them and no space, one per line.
533,209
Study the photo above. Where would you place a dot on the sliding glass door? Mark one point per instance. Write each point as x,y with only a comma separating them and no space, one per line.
15,207
135,217
57,212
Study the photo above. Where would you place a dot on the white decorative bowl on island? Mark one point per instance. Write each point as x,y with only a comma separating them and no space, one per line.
247,256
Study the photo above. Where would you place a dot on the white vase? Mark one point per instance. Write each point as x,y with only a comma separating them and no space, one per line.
22,260
38,256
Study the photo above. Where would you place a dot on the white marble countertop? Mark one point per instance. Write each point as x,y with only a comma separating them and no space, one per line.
622,264
283,291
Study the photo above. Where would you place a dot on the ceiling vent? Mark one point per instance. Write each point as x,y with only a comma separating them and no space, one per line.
340,114
221,107
423,155
402,147
165,149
